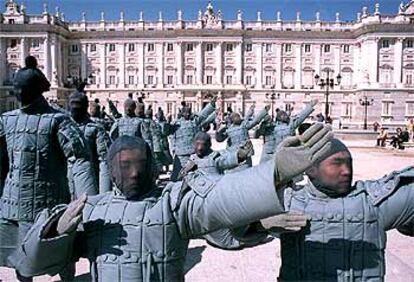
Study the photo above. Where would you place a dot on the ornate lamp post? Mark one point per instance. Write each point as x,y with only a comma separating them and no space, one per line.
328,83
366,103
272,97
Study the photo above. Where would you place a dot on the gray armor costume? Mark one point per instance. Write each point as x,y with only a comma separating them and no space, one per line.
98,142
346,238
238,135
184,132
280,131
40,142
147,240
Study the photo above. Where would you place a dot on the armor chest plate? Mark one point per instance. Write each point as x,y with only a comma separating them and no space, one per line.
129,127
238,135
207,165
343,239
183,137
281,132
34,153
135,241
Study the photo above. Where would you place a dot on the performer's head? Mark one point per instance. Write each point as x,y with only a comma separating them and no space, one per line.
131,166
236,118
282,116
29,82
78,106
186,113
202,144
333,174
149,113
130,107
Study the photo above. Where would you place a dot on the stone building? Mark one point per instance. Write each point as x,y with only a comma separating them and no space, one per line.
243,62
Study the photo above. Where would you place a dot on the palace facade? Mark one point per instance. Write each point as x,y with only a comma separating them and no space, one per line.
243,62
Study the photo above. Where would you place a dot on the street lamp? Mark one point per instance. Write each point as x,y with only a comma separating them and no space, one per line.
366,103
272,97
327,83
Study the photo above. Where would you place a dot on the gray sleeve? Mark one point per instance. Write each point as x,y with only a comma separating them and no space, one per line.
204,114
297,121
4,160
102,145
394,197
257,119
227,160
211,118
114,132
237,199
233,239
76,153
40,254
249,114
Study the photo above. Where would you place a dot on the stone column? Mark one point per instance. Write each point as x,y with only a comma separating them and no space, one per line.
298,66
317,56
23,51
337,59
179,63
102,83
84,56
199,62
160,62
219,66
278,79
54,63
356,75
239,63
398,56
46,56
259,60
121,53
3,61
372,61
141,65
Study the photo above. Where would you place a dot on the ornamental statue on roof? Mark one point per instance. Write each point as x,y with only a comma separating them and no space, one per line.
407,9
210,19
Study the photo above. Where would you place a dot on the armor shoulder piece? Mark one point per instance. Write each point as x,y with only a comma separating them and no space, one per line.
215,155
200,184
380,190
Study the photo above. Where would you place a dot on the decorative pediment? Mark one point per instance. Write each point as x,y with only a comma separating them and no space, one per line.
210,19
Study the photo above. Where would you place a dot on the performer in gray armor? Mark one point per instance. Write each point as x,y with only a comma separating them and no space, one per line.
146,129
184,131
275,133
212,163
96,138
37,143
99,115
128,125
164,156
345,238
237,134
132,235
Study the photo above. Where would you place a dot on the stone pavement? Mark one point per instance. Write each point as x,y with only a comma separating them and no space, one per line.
261,263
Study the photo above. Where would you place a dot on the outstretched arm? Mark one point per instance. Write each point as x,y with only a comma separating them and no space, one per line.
394,197
206,112
257,119
114,132
240,198
304,114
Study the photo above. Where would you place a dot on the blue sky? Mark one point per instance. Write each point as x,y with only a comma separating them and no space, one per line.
308,8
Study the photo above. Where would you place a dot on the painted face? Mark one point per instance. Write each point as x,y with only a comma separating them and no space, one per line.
236,119
201,147
129,172
334,174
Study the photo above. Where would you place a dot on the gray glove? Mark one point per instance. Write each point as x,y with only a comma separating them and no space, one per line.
71,218
286,222
297,154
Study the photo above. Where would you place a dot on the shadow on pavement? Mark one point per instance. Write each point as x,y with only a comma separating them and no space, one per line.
193,258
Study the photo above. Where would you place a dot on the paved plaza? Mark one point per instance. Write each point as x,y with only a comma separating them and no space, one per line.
207,264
